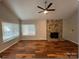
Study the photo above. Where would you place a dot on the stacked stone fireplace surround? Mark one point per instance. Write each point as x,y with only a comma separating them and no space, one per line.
54,29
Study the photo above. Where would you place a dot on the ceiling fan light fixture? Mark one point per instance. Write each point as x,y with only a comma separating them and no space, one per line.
46,9
45,12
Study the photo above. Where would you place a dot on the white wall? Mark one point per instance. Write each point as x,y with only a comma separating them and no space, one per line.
6,16
70,28
40,30
78,22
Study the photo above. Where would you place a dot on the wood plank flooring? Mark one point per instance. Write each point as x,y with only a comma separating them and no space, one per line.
41,49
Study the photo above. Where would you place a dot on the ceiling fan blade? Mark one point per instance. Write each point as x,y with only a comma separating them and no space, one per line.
49,5
40,12
40,7
51,10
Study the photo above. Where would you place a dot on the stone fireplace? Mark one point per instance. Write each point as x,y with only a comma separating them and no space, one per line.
54,29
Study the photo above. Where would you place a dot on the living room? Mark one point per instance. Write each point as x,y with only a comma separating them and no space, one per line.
22,25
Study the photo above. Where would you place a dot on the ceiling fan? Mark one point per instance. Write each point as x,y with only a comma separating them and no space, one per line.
46,9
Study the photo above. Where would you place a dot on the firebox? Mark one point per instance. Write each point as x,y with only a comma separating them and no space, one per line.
54,35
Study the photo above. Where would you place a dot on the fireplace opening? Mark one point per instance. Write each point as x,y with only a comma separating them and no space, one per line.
54,35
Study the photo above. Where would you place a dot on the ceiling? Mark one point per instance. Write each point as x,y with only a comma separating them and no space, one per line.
27,9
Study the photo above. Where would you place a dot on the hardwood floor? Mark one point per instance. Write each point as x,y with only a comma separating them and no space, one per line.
41,49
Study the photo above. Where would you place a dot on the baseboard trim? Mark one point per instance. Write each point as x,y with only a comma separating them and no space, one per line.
8,47
74,42
34,39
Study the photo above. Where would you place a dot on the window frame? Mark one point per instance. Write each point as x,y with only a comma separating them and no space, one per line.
9,38
29,25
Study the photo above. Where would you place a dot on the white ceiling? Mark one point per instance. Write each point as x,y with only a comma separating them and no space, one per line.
27,9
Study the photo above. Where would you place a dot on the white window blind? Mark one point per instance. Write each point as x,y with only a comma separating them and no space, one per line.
10,31
28,29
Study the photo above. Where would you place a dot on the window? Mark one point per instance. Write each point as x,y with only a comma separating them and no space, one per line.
10,31
28,29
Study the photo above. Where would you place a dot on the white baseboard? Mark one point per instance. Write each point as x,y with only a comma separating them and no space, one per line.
8,47
33,39
74,42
